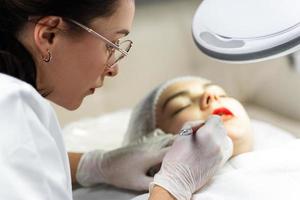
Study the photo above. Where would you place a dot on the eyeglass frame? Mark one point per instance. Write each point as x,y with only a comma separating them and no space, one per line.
124,53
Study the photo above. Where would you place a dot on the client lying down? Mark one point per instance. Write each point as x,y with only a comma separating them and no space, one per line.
272,173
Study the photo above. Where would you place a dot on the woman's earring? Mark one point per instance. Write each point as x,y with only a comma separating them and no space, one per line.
48,58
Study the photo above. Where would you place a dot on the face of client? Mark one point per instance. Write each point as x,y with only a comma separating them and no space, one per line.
192,100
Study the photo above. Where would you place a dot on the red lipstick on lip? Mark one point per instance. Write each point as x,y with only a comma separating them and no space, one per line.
222,111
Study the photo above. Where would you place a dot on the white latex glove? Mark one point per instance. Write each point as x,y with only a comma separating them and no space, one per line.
124,167
193,160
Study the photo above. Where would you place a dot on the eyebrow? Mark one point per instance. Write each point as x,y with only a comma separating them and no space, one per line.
181,93
123,31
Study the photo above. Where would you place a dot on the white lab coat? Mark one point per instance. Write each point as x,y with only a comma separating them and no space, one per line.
33,160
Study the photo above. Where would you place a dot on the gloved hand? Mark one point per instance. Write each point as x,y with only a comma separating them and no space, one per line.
193,160
124,167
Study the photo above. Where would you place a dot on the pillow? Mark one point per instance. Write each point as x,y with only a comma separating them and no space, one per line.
268,136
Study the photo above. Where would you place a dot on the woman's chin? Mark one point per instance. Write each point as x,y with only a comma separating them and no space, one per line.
236,128
71,106
240,134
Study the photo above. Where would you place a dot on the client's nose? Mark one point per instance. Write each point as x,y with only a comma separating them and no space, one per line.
207,99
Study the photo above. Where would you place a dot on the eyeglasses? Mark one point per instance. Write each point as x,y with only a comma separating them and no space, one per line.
122,48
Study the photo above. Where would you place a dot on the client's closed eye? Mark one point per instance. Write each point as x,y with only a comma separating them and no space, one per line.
179,110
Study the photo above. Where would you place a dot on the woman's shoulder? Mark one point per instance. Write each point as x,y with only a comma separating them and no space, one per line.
18,96
9,85
24,113
31,139
15,89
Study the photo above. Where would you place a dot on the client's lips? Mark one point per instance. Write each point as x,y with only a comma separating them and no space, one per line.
224,113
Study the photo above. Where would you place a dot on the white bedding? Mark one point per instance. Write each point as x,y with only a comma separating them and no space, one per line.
264,174
106,132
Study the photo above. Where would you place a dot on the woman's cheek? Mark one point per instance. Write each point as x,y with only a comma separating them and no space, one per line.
178,121
176,125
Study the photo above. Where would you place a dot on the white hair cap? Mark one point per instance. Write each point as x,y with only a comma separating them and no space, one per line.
142,121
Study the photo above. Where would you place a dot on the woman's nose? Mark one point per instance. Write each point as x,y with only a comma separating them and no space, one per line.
112,71
207,99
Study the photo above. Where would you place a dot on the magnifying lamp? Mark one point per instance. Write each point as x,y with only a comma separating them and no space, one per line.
243,31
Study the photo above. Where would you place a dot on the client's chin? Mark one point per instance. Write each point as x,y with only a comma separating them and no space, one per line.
241,137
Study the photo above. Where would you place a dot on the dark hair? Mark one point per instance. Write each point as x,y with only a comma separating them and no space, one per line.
15,59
